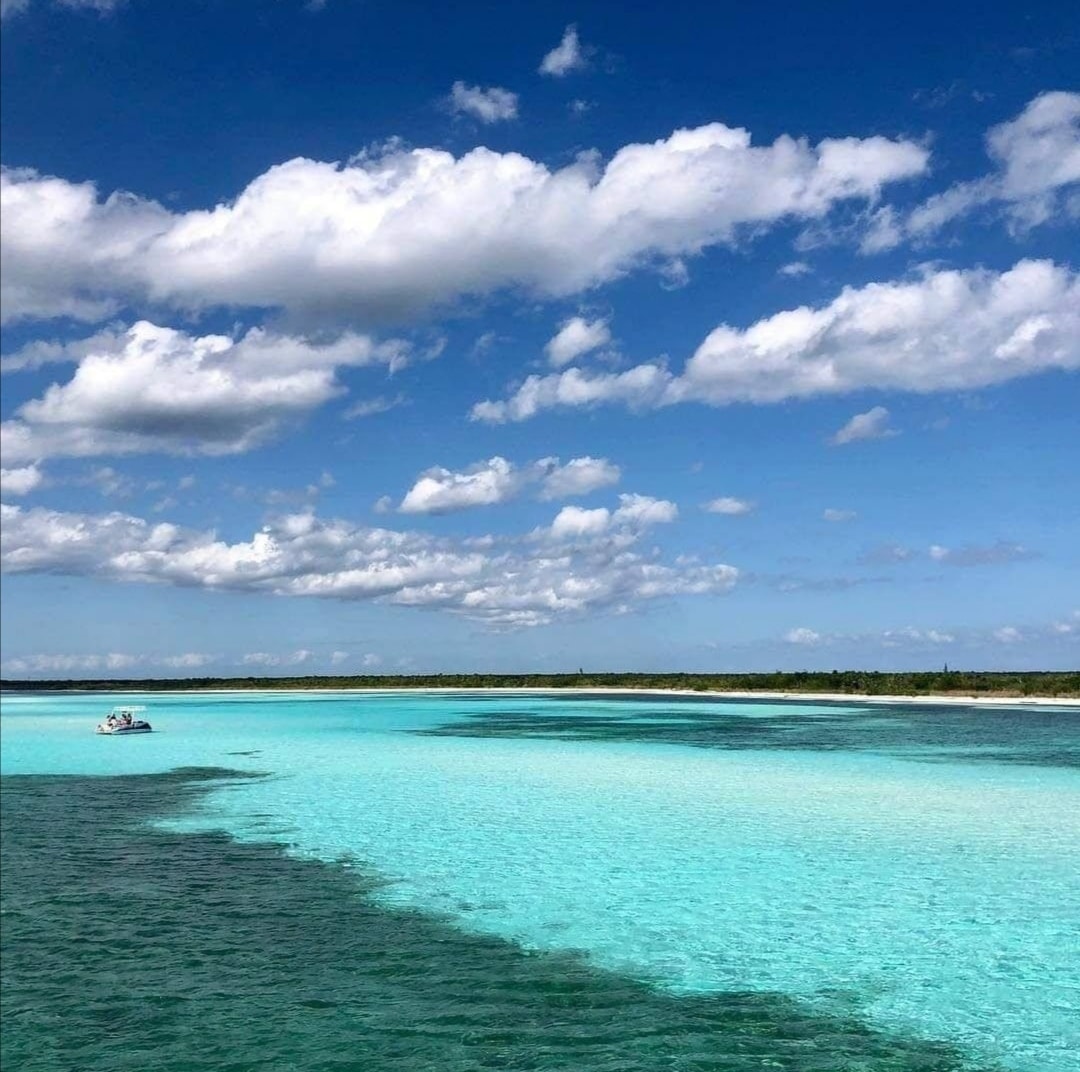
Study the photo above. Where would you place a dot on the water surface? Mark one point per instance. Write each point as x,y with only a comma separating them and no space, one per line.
899,882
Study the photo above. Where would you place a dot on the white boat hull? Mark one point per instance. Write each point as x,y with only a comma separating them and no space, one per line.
123,731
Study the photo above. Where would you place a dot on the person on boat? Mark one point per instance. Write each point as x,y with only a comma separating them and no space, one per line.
111,720
126,718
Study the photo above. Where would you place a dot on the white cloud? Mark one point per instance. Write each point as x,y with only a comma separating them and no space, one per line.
505,582
896,638
886,555
579,476
946,330
803,636
188,660
260,658
66,664
41,352
565,57
997,554
574,521
369,407
20,481
831,514
393,232
440,491
873,424
635,512
156,389
937,637
1008,635
642,387
1067,627
102,7
1037,158
109,482
577,336
371,660
884,230
794,269
111,661
674,274
730,506
488,105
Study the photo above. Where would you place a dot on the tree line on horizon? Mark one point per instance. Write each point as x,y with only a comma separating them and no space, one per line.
869,682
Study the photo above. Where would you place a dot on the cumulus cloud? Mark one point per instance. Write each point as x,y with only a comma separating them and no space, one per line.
831,514
579,476
260,658
565,57
945,330
794,269
635,512
488,105
504,582
40,352
574,521
730,506
577,336
188,660
642,387
995,554
393,231
441,491
802,635
156,389
873,424
895,638
904,637
66,664
884,230
20,481
1037,162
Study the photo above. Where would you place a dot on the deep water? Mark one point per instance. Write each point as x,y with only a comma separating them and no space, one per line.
128,948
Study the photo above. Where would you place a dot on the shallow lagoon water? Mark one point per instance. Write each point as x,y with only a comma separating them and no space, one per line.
915,868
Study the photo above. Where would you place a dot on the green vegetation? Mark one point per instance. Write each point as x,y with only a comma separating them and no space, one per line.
868,682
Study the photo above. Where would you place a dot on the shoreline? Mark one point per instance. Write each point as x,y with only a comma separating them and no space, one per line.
571,690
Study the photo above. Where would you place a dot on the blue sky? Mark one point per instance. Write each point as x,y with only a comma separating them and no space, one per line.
361,337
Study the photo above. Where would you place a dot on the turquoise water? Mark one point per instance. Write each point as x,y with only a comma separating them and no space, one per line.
909,873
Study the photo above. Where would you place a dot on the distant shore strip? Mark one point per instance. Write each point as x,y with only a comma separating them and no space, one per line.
1059,689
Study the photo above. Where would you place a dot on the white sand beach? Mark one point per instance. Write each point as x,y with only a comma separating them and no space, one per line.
812,697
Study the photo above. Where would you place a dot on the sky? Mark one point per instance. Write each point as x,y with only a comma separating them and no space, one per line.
358,337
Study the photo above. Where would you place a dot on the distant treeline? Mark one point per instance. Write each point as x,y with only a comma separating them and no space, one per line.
872,682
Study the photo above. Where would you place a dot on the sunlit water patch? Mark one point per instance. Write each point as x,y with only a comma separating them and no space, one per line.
804,850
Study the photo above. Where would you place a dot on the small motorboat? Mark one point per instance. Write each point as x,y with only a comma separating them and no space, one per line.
124,720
